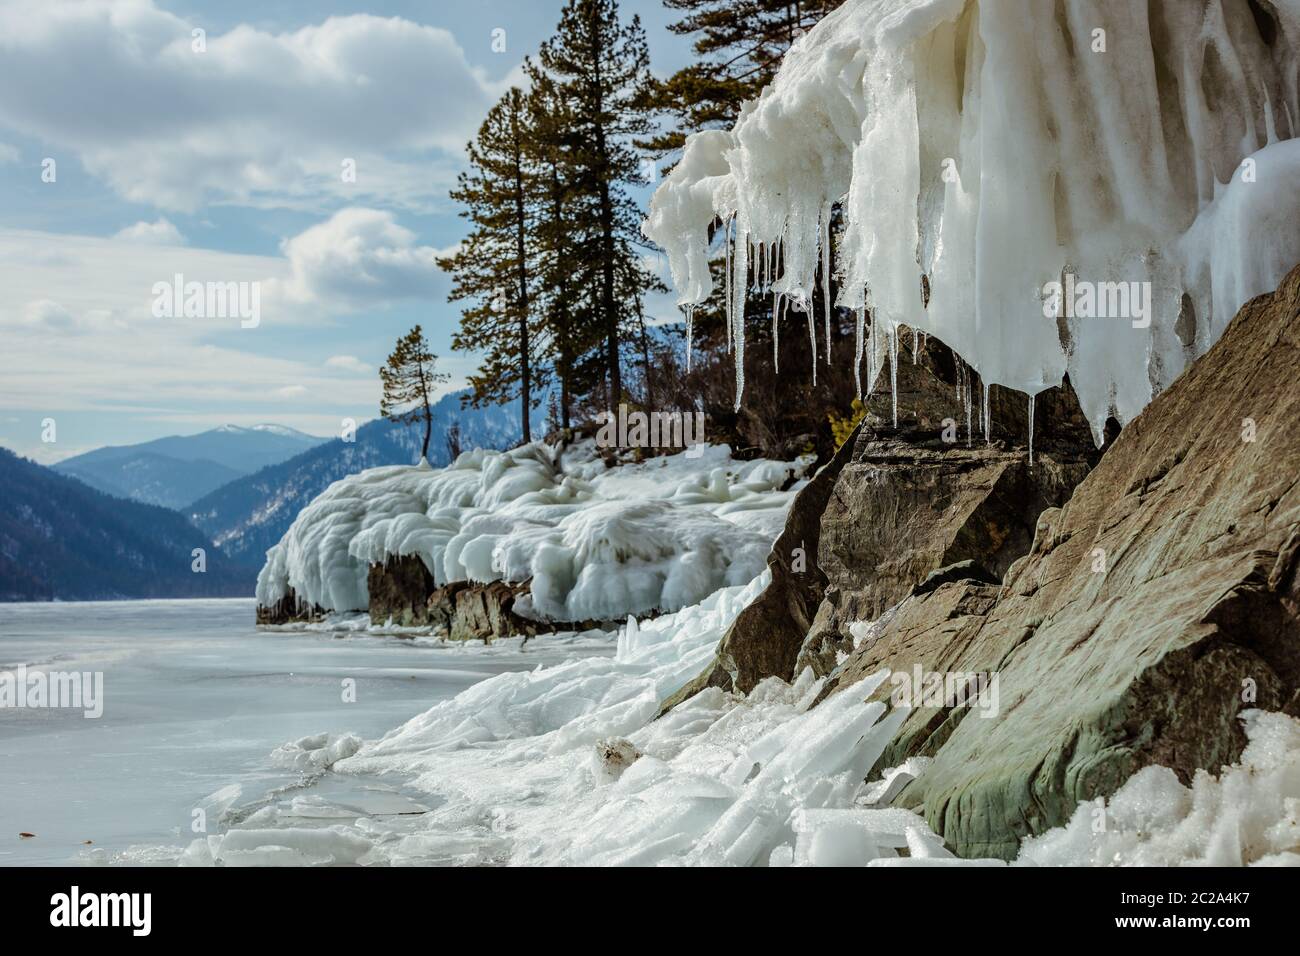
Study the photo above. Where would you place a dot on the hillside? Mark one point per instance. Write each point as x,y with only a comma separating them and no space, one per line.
179,469
60,539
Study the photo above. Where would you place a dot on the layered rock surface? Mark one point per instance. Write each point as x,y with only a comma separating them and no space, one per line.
1154,607
403,593
940,483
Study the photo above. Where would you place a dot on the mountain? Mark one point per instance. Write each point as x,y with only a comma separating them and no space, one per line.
175,471
60,539
250,514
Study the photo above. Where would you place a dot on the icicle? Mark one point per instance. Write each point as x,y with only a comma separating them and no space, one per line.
1031,431
916,343
812,340
857,350
893,369
776,333
690,333
826,273
968,412
726,307
738,311
988,417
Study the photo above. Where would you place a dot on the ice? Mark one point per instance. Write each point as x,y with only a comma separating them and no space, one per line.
597,543
316,752
566,765
994,147
1247,814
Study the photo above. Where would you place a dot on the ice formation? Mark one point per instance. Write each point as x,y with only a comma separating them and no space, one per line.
521,768
1247,814
993,148
597,543
566,764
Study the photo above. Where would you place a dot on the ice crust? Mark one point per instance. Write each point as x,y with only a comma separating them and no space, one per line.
567,765
597,543
988,147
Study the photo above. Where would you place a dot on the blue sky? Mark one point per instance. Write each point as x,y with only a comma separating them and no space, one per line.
223,164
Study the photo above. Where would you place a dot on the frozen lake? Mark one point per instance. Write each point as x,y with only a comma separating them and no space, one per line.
195,699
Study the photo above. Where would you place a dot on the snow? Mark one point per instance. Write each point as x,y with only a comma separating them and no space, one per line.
994,147
1248,814
566,765
597,543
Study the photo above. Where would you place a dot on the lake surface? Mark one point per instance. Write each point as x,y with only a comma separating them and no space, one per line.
195,698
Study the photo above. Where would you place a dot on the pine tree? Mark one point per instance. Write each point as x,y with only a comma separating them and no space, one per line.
739,45
600,67
410,378
491,269
570,329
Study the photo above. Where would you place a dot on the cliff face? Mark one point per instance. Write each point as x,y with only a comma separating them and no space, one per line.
1142,605
940,483
1152,609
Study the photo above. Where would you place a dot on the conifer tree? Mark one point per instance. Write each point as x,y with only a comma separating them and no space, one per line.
491,268
410,378
600,66
570,328
738,45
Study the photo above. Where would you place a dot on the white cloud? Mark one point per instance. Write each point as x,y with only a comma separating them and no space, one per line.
359,258
9,154
291,391
47,314
348,363
159,233
263,118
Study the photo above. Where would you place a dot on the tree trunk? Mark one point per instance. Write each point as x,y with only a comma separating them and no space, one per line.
606,226
645,357
563,333
521,250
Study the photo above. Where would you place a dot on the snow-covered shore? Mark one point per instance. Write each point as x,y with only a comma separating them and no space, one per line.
597,543
565,765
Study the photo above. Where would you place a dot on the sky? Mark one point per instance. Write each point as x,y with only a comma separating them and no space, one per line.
134,150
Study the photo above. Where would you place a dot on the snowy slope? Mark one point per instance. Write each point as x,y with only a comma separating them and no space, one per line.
994,147
597,543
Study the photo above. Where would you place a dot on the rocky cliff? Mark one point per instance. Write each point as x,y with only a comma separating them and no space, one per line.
1143,605
924,482
1153,608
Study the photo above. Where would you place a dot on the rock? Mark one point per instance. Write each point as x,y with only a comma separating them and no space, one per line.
896,502
400,591
968,570
1152,608
765,637
290,609
485,611
933,628
440,607
903,509
613,756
